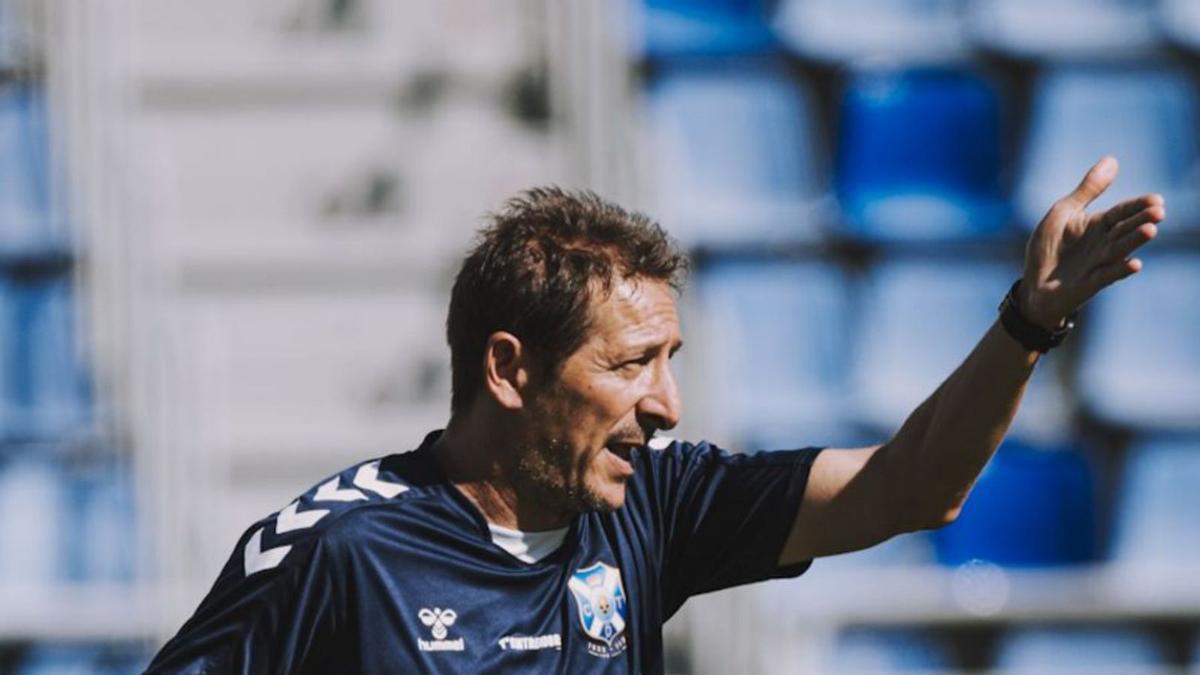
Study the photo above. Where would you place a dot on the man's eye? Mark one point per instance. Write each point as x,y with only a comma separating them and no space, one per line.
637,364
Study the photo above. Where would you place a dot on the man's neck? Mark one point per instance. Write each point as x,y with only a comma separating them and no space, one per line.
481,463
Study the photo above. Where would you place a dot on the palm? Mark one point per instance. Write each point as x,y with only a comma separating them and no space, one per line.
1073,254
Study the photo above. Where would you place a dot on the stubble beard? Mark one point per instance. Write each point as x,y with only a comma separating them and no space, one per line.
544,467
546,462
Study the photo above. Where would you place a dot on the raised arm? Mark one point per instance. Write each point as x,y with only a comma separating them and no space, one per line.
920,478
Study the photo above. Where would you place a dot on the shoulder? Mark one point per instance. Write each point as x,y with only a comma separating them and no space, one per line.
670,452
662,465
663,450
665,464
664,454
328,514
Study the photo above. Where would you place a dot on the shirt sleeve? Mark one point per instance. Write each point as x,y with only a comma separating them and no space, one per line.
724,517
268,612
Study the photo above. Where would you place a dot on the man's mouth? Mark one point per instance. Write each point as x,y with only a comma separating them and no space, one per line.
622,451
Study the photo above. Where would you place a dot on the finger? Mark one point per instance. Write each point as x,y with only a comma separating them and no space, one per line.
1128,208
1111,273
1121,247
1097,180
1154,214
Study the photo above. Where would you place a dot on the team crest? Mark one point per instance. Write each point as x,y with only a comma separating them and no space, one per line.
603,607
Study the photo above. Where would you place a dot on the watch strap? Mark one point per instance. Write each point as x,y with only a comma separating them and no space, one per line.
1031,336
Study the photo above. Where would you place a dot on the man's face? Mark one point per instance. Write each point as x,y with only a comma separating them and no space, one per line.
610,396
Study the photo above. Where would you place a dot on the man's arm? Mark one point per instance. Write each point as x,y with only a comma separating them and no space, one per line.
920,479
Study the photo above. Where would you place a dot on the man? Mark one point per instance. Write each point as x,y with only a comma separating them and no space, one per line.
546,529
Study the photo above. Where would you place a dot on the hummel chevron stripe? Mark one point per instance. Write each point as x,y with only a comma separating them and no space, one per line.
329,492
292,518
289,519
367,478
254,559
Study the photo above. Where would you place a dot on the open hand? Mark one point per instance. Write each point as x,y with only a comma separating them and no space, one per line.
1073,254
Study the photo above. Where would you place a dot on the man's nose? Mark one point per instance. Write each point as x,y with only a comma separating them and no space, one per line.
662,401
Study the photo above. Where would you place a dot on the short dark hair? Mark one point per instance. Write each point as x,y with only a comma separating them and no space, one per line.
534,269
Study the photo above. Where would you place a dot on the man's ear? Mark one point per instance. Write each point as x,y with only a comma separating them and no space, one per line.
506,369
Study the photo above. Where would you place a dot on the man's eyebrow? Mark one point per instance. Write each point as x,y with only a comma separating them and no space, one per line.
651,347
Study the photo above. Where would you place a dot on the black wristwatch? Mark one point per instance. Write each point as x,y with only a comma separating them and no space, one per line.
1032,336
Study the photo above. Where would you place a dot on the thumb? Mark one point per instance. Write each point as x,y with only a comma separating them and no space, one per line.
1097,180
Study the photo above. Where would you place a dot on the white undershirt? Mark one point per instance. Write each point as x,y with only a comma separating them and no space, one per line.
528,547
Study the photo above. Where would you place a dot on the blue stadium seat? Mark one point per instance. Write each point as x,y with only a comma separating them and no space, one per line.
867,651
774,334
906,354
32,493
1078,650
55,659
919,156
1141,365
1145,117
47,383
99,524
920,319
736,159
27,223
841,31
674,28
1159,504
1031,507
82,659
1100,29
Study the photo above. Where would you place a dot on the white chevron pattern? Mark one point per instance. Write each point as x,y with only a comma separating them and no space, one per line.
367,478
289,519
254,559
330,492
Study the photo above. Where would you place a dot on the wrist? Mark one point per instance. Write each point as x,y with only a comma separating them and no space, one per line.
1031,333
1030,306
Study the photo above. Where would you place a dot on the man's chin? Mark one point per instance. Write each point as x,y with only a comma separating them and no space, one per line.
602,499
610,499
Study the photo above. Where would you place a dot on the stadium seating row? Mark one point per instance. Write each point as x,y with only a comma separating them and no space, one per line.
28,223
44,389
73,517
821,351
863,349
841,31
76,522
1023,651
813,354
81,659
920,153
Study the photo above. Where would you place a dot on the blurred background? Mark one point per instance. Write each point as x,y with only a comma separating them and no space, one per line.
228,232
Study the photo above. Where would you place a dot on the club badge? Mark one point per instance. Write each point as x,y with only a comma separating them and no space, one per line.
603,607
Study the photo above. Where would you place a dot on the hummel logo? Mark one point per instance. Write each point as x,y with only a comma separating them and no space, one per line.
439,620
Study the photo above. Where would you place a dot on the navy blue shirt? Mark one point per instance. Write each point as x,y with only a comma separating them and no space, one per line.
387,568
